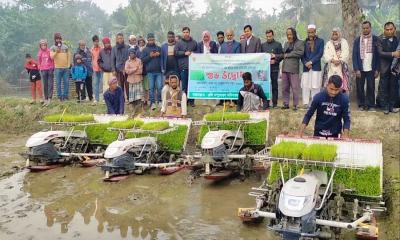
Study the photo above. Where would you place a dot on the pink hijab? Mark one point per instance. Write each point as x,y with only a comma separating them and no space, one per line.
206,44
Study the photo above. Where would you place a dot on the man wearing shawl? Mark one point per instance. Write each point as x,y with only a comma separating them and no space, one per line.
174,101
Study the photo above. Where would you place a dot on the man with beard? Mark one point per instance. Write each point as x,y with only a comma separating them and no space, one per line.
174,100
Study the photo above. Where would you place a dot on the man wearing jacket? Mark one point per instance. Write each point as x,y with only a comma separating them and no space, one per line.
86,58
105,62
251,44
387,52
312,75
366,66
119,55
183,49
273,47
230,45
168,59
61,55
151,58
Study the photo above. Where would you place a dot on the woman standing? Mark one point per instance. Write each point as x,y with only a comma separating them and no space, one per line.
336,56
46,67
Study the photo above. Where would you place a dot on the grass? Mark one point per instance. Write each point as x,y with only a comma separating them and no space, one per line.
223,116
130,123
69,118
365,182
155,126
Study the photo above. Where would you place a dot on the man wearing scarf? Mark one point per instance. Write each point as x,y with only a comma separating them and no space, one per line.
105,62
312,74
119,55
366,65
174,101
336,56
61,55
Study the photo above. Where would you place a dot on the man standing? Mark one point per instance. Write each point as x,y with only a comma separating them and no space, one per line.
293,50
221,40
230,45
168,59
312,75
252,44
332,107
119,55
97,73
250,96
105,62
274,48
61,55
114,97
174,101
366,66
387,84
183,49
151,57
86,58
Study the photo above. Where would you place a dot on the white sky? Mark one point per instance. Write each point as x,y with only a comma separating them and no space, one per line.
110,5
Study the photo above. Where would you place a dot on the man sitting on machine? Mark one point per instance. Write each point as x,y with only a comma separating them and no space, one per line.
332,106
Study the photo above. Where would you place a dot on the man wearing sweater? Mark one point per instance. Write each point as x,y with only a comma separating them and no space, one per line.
151,58
332,107
61,55
114,97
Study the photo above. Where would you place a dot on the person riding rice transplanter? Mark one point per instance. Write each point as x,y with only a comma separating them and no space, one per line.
332,105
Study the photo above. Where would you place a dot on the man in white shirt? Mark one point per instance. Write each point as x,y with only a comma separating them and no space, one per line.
252,44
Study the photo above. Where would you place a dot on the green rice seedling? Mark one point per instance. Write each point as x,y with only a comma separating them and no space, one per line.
223,116
155,126
127,124
173,141
292,150
96,132
320,152
69,118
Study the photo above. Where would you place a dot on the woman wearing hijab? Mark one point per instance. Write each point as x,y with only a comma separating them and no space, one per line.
207,45
336,56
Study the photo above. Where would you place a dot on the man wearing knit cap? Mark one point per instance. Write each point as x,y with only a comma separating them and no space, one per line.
105,62
114,97
151,58
119,55
311,79
61,55
133,42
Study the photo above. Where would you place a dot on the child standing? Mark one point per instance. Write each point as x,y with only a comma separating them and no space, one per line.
79,74
34,76
134,68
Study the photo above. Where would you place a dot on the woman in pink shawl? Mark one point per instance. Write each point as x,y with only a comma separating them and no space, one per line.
207,45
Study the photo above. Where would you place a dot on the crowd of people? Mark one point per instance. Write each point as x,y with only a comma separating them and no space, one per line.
145,74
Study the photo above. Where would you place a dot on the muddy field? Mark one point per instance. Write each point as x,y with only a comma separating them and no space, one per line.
74,203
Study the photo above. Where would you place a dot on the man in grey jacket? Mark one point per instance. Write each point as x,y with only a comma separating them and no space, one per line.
293,50
183,49
251,44
119,55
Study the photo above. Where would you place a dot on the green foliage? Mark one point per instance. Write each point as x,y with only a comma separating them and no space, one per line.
222,116
69,118
130,123
365,182
320,152
173,141
292,150
96,132
155,126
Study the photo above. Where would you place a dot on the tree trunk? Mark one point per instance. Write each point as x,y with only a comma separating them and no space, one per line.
352,17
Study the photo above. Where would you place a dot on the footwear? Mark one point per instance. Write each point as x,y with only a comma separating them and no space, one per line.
394,110
386,111
305,106
285,106
94,103
153,106
295,108
371,109
360,108
160,105
192,104
274,106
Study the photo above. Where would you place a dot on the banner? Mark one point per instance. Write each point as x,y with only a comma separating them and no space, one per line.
219,76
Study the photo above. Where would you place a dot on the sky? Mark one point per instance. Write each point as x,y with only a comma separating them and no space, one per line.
111,5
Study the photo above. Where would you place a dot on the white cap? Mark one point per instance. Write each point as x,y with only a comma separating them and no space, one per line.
132,37
311,26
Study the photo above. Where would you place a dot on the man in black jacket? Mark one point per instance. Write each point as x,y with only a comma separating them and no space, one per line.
273,47
387,85
183,49
250,96
119,55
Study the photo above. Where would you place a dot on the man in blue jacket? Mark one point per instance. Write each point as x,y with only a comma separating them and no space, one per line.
311,79
151,58
332,107
366,66
168,59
